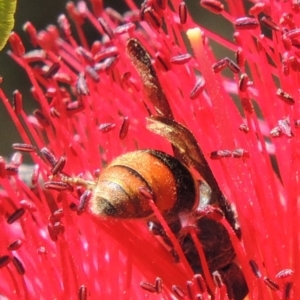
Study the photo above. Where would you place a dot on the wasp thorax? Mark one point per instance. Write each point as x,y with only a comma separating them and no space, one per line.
117,192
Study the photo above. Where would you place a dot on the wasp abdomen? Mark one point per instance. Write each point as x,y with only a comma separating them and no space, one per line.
117,191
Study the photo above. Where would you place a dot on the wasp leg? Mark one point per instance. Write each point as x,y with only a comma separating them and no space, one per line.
157,230
235,282
215,242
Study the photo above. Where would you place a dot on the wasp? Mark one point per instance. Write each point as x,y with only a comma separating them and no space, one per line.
172,185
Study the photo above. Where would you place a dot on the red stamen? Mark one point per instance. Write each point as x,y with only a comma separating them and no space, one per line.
124,128
180,59
18,265
83,293
16,44
16,215
158,285
57,185
15,245
214,6
59,165
182,12
4,261
148,286
197,89
178,291
31,32
255,269
83,202
106,28
23,147
284,96
285,273
287,291
267,21
246,23
271,284
18,102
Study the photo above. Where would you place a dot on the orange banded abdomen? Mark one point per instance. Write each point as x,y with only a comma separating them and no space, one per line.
117,191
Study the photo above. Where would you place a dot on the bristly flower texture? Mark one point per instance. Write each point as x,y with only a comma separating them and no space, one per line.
93,107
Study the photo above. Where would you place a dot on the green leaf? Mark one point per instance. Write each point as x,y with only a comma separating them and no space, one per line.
7,11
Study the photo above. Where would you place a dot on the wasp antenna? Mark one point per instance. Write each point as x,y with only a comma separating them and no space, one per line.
78,181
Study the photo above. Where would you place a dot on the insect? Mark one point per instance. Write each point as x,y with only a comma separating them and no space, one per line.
219,252
169,180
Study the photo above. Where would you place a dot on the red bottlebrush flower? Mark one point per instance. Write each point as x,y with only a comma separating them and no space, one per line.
231,125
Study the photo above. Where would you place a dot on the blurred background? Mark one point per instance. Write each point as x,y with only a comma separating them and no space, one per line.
40,14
